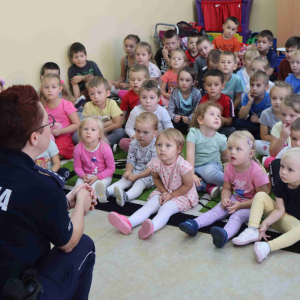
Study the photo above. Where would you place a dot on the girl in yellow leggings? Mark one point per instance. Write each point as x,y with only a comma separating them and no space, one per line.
283,215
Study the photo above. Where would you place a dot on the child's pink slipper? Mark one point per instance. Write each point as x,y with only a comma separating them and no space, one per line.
120,222
146,230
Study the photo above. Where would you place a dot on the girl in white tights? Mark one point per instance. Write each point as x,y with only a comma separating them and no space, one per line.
175,191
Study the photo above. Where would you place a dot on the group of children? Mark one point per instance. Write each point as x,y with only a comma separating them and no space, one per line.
228,118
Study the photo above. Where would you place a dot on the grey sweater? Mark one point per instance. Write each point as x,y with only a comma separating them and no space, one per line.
174,102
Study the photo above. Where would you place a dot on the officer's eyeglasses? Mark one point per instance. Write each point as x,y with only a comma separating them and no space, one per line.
51,123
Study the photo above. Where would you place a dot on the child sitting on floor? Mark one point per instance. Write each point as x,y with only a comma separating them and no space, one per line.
245,72
253,104
270,116
264,43
244,176
183,100
64,113
106,109
204,146
81,71
213,84
137,176
93,158
177,61
294,79
227,41
175,191
127,62
149,97
233,83
284,69
192,53
282,215
143,56
162,57
137,75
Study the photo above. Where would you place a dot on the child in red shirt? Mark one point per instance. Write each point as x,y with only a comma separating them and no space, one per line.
192,53
213,84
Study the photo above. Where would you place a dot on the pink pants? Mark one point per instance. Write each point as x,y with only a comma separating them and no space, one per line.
124,144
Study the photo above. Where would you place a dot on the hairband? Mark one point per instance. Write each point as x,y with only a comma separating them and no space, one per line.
62,81
249,142
2,81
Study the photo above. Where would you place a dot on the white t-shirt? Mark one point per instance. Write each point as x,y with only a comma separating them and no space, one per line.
44,160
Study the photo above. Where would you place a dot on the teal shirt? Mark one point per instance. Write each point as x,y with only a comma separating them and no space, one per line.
207,149
233,86
186,106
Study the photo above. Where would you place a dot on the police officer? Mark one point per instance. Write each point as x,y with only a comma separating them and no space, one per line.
34,210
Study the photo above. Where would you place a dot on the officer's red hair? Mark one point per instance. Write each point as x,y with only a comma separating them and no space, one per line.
20,116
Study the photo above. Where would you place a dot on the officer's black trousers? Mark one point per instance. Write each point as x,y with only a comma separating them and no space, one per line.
68,275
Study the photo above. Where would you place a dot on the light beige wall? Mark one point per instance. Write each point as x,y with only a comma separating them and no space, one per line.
33,32
264,16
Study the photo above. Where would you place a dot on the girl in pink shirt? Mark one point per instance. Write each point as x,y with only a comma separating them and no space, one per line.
244,176
175,191
93,157
64,113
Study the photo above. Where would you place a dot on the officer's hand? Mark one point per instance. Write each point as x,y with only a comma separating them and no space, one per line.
72,195
84,198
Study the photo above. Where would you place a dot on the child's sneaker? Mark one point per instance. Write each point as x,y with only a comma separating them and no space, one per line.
219,235
213,190
121,196
246,237
80,101
101,192
115,148
190,227
120,222
261,249
146,229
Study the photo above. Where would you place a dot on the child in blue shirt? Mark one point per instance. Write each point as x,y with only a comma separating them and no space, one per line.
253,104
264,44
294,79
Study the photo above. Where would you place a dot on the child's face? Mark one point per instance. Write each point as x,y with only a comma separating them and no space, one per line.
288,115
211,118
192,44
288,52
290,171
171,44
177,61
239,153
256,66
295,138
142,56
295,64
90,131
263,44
145,133
229,29
98,95
226,64
136,79
277,95
51,88
204,48
258,88
213,85
149,100
166,150
185,81
79,59
211,65
129,47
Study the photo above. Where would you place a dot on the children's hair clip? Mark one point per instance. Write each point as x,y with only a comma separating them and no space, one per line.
249,142
62,81
2,81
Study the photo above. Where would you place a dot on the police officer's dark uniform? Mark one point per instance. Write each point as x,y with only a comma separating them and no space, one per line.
33,213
